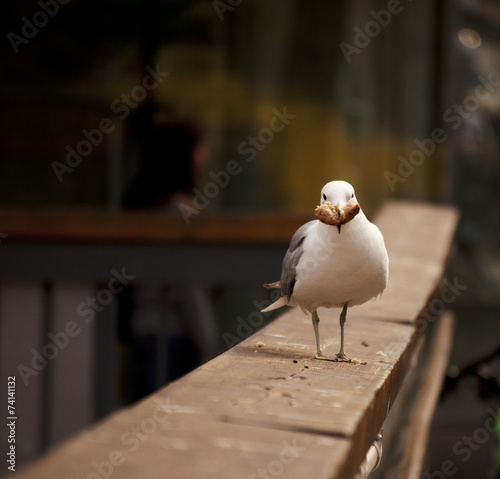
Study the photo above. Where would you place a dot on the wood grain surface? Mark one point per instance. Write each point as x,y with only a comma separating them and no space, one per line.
265,406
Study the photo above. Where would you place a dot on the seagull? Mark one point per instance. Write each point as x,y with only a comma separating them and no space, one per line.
336,261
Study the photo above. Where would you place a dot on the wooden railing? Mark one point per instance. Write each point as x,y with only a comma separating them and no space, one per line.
265,408
53,259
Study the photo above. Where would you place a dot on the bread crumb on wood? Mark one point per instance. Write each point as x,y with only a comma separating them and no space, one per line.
381,353
355,361
259,344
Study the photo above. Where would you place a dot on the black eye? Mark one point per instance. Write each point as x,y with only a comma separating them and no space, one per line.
352,196
324,196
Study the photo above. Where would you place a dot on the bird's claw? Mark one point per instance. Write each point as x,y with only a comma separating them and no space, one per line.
339,358
342,357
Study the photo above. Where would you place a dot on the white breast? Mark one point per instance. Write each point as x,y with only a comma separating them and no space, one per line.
337,269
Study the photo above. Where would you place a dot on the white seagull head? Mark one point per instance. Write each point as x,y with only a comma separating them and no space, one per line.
338,192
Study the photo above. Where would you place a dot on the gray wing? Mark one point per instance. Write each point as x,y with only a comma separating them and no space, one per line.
291,259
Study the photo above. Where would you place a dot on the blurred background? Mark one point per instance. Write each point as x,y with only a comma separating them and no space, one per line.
196,108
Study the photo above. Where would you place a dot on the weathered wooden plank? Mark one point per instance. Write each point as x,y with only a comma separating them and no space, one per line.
263,389
407,425
427,398
268,389
157,439
282,385
418,237
230,417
